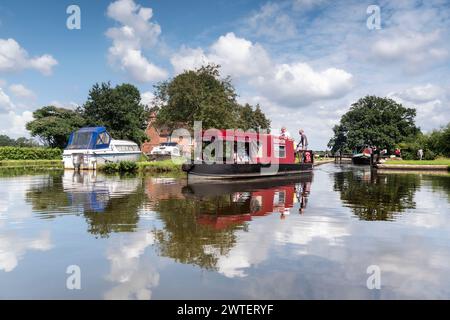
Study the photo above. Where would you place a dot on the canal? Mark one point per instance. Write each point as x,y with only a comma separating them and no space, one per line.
318,236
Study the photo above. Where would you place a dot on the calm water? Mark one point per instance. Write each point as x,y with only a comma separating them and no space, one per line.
158,238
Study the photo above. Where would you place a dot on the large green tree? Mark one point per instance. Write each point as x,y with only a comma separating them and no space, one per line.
53,125
119,109
374,121
202,95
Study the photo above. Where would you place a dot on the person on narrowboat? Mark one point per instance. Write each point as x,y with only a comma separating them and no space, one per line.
302,145
284,133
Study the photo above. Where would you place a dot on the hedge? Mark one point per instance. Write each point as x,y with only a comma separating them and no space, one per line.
17,153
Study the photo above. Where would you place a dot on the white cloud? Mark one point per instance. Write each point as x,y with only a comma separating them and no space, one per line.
306,5
413,48
20,91
296,84
67,105
271,22
239,57
188,59
420,94
14,247
14,58
134,279
5,102
136,32
13,124
147,98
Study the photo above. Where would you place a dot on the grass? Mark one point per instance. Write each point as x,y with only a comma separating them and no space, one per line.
31,163
159,166
440,161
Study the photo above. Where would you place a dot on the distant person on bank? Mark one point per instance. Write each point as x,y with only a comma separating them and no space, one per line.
420,154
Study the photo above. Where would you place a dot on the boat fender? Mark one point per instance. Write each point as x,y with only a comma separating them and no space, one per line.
307,157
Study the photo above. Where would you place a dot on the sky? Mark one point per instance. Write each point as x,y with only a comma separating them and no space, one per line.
304,61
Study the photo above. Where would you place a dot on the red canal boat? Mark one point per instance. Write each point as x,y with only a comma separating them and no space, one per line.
247,155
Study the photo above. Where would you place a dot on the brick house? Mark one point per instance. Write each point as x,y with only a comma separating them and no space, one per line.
157,135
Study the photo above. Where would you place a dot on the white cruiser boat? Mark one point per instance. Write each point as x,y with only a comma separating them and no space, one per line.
93,146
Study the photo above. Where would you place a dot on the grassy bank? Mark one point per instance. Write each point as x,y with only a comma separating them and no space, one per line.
142,167
441,161
7,164
159,166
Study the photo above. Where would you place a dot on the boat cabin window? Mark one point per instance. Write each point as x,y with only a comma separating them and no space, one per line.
103,138
127,148
280,151
81,140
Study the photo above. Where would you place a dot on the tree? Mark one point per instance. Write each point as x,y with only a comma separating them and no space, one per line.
252,119
201,95
6,141
54,125
374,121
439,141
119,109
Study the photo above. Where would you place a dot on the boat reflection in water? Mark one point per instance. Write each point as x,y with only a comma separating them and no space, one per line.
222,205
94,192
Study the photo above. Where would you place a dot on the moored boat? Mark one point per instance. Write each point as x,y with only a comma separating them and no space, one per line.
93,146
361,158
248,155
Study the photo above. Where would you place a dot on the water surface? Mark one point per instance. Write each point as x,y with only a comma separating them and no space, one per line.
311,237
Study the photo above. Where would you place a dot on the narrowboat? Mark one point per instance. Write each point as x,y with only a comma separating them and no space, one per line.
92,146
362,158
245,155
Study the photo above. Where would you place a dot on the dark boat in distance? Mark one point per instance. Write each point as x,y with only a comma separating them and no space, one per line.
252,155
362,158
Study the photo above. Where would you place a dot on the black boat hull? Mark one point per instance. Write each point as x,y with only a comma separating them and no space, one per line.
361,160
244,171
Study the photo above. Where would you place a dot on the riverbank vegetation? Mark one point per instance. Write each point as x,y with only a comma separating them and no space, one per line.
6,164
142,167
439,161
386,124
118,108
373,121
26,153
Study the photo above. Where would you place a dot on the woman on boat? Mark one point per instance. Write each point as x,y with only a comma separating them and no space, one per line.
284,133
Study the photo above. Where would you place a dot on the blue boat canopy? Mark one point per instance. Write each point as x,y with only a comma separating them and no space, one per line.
89,138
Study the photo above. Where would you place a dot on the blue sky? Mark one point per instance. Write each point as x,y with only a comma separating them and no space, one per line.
304,61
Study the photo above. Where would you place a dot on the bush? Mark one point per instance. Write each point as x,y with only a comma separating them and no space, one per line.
429,155
122,167
17,153
128,166
110,167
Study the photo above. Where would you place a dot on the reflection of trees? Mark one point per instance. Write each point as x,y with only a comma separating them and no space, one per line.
105,211
376,196
47,197
440,183
186,241
119,215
